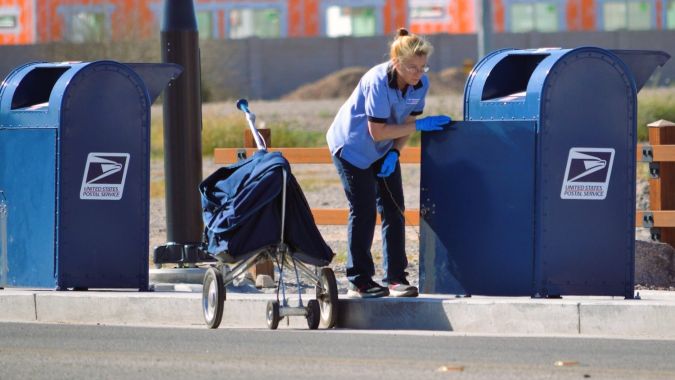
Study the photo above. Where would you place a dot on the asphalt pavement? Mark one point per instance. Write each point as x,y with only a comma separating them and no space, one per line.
50,351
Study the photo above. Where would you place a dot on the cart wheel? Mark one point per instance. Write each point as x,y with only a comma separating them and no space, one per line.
273,314
213,298
327,295
313,314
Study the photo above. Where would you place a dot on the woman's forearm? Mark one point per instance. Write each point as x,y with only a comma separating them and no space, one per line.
382,131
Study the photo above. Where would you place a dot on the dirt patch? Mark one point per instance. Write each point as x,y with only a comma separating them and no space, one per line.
341,84
450,80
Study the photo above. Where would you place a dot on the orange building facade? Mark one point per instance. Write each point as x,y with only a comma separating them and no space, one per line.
516,16
43,21
93,20
455,17
17,22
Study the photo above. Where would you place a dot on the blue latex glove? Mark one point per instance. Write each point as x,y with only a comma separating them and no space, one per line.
389,163
432,123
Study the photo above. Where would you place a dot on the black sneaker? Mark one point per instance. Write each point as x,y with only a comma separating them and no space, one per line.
369,289
402,289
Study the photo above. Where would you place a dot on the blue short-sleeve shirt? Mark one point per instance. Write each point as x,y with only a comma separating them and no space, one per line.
376,98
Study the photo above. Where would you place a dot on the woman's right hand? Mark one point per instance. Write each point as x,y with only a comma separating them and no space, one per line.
432,123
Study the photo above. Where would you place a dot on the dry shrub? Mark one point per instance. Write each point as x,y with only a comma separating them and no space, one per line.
340,84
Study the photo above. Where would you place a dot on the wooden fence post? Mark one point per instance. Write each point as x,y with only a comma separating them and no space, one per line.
662,178
265,267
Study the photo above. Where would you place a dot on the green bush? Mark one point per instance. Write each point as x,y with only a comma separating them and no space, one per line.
284,135
228,132
156,138
222,132
653,105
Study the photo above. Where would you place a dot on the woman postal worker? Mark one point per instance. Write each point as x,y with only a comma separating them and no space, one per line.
366,139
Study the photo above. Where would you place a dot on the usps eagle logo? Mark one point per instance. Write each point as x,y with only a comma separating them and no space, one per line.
587,174
104,176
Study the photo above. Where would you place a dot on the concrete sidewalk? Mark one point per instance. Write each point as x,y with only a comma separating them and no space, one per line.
651,317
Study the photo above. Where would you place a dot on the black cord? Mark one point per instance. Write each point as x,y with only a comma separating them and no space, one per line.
400,209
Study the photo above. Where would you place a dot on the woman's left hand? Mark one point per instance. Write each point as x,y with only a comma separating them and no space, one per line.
389,164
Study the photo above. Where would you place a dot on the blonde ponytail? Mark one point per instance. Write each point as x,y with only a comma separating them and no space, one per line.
407,45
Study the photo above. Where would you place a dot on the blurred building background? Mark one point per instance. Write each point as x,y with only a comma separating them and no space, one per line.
44,21
519,16
264,49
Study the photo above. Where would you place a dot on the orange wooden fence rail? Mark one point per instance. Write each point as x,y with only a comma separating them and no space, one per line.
655,218
410,155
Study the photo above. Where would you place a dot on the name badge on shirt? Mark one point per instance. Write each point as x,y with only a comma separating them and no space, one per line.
412,101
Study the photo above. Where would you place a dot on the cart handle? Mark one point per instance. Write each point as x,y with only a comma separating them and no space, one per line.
242,104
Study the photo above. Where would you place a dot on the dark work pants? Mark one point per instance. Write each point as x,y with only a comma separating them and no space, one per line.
367,194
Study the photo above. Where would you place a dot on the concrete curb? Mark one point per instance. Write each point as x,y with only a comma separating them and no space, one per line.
633,318
646,318
17,306
119,308
489,316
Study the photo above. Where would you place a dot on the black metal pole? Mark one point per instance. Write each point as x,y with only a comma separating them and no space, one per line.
182,135
484,22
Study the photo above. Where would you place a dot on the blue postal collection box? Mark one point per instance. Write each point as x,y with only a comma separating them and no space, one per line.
537,196
74,168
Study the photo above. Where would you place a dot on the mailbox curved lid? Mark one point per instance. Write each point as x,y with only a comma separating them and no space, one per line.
32,94
508,84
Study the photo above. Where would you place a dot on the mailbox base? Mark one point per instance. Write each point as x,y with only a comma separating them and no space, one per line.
181,254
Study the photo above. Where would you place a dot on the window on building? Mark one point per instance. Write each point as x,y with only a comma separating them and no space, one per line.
264,23
522,18
350,21
627,14
615,15
8,22
205,25
670,14
427,12
87,27
639,15
538,16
